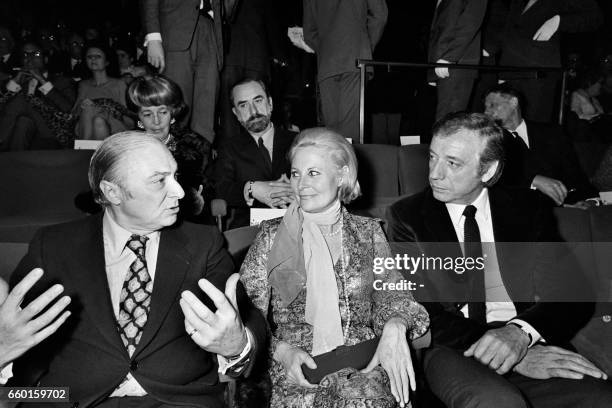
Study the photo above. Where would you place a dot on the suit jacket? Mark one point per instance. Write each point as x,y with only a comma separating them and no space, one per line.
256,36
240,161
455,32
518,46
176,20
341,31
87,353
534,271
550,154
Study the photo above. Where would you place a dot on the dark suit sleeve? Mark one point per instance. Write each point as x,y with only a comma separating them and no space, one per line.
63,94
556,278
150,16
224,176
579,16
377,19
460,30
309,25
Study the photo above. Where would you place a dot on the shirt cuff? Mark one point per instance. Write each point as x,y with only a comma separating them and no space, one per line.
152,37
238,362
46,88
13,86
245,192
527,328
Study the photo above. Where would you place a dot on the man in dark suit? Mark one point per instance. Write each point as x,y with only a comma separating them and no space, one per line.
31,91
340,32
192,51
505,352
252,169
532,37
540,155
455,39
155,312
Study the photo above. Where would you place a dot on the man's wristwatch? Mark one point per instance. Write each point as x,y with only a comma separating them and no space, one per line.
520,326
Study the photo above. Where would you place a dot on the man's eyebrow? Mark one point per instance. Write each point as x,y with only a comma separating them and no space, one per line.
455,158
160,173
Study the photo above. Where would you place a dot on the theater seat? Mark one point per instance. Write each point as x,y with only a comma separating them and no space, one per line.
38,188
413,163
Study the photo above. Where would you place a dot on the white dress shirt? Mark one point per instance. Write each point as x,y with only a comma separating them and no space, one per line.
502,311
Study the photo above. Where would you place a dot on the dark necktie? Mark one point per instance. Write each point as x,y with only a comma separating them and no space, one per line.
264,153
519,142
473,249
135,300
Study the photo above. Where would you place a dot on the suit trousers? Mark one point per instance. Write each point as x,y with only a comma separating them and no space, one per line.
464,382
454,92
21,125
135,402
196,71
340,103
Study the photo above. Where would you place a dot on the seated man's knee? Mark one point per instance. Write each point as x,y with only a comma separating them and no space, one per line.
487,396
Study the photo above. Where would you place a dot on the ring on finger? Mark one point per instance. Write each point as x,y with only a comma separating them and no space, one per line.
192,332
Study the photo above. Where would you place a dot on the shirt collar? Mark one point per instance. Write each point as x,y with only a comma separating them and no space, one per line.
267,136
116,237
521,130
481,203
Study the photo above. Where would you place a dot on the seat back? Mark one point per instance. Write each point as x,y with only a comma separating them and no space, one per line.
239,241
42,182
413,163
377,173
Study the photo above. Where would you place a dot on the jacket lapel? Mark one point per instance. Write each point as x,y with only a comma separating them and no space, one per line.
437,220
248,145
90,280
172,265
280,142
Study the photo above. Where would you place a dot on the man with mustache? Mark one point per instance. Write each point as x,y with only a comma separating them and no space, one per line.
252,168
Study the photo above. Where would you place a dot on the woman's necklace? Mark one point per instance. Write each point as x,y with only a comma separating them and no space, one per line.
345,290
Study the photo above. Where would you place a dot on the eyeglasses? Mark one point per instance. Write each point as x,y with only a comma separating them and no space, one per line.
30,54
76,43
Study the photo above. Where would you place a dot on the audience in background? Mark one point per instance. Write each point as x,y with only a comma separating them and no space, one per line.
584,102
37,103
100,107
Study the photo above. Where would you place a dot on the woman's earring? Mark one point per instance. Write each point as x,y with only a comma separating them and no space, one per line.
172,121
140,125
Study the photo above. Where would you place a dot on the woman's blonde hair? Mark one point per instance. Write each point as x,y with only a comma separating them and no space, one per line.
339,150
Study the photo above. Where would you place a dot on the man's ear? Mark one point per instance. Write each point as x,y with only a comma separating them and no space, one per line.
112,192
490,172
271,104
235,112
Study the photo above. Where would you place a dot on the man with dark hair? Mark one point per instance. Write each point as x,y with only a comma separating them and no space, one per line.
156,311
37,101
498,330
540,155
252,168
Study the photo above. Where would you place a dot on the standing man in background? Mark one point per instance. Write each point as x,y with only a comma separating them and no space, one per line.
455,39
184,41
340,32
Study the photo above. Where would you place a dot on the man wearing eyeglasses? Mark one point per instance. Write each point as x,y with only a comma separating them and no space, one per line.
34,99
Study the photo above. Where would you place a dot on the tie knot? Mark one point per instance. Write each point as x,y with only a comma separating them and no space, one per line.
137,244
260,142
515,134
470,211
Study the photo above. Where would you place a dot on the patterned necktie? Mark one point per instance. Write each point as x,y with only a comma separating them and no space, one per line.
473,249
519,142
264,153
135,300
